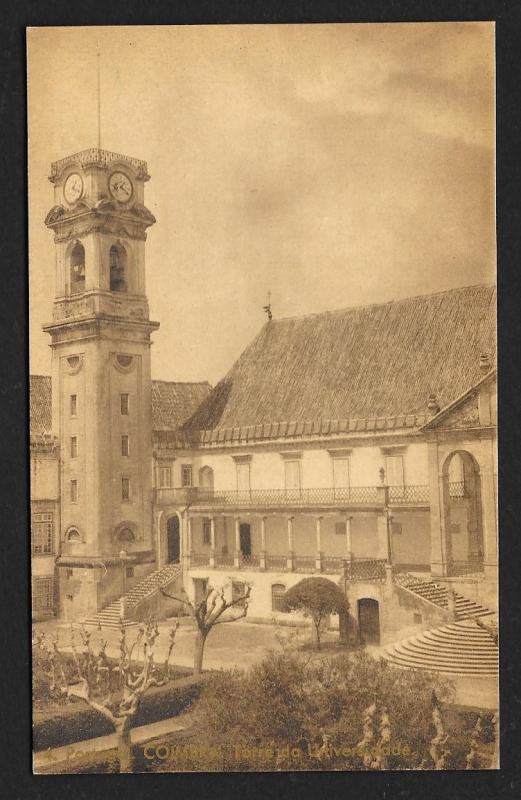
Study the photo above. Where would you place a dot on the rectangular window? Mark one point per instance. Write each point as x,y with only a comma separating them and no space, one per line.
129,572
125,489
186,475
394,470
292,475
42,528
340,472
43,590
125,444
340,528
74,405
124,403
238,590
207,536
165,477
243,477
74,446
74,491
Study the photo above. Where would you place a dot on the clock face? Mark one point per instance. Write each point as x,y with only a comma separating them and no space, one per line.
120,187
73,188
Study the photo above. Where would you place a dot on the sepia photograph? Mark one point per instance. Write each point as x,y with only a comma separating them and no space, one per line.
263,406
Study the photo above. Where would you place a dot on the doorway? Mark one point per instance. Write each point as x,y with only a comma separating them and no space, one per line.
173,540
245,539
368,621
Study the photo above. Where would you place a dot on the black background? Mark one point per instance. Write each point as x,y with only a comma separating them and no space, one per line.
16,780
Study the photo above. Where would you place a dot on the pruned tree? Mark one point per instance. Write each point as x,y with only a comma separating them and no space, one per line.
113,688
317,598
210,612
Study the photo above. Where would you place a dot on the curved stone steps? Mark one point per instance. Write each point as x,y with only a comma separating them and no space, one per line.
458,648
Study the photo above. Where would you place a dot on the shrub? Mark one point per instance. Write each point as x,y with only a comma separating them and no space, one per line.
74,722
286,701
317,597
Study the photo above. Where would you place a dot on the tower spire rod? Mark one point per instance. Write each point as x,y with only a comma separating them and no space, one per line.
99,100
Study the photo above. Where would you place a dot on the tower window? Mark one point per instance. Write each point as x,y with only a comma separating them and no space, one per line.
125,445
74,446
74,491
125,489
78,269
74,405
124,404
118,268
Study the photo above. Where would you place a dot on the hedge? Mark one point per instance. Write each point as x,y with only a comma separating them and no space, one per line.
75,722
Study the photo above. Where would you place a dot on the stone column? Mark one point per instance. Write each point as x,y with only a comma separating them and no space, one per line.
318,559
290,560
212,541
382,545
349,545
237,553
489,508
439,561
262,556
189,541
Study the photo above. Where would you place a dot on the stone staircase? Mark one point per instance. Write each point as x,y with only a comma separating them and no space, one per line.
110,616
462,648
439,596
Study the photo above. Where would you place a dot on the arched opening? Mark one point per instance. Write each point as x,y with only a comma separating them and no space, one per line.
77,264
462,514
73,535
245,539
368,621
173,541
278,590
206,478
126,535
118,268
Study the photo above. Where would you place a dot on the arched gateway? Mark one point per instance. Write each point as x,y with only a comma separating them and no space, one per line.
462,513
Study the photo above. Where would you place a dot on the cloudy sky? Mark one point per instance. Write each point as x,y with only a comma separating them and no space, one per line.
333,165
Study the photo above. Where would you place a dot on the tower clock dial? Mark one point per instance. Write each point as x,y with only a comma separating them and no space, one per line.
73,188
120,187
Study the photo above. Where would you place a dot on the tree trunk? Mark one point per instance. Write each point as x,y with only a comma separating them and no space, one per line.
125,757
200,641
315,628
343,626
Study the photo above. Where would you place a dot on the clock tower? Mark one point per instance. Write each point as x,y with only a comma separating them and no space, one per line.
101,385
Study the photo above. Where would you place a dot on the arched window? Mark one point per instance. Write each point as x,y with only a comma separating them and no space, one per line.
78,269
73,535
206,478
126,535
456,476
278,590
118,268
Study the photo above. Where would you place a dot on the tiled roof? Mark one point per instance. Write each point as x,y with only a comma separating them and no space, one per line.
172,404
40,411
367,368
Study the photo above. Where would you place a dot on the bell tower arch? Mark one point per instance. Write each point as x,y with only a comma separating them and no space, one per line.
100,338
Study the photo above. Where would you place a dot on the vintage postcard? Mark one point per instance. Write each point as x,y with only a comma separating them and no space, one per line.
263,398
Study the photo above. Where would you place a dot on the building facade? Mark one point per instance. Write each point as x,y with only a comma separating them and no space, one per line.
359,444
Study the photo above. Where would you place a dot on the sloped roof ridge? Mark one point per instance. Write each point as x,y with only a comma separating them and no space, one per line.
395,301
